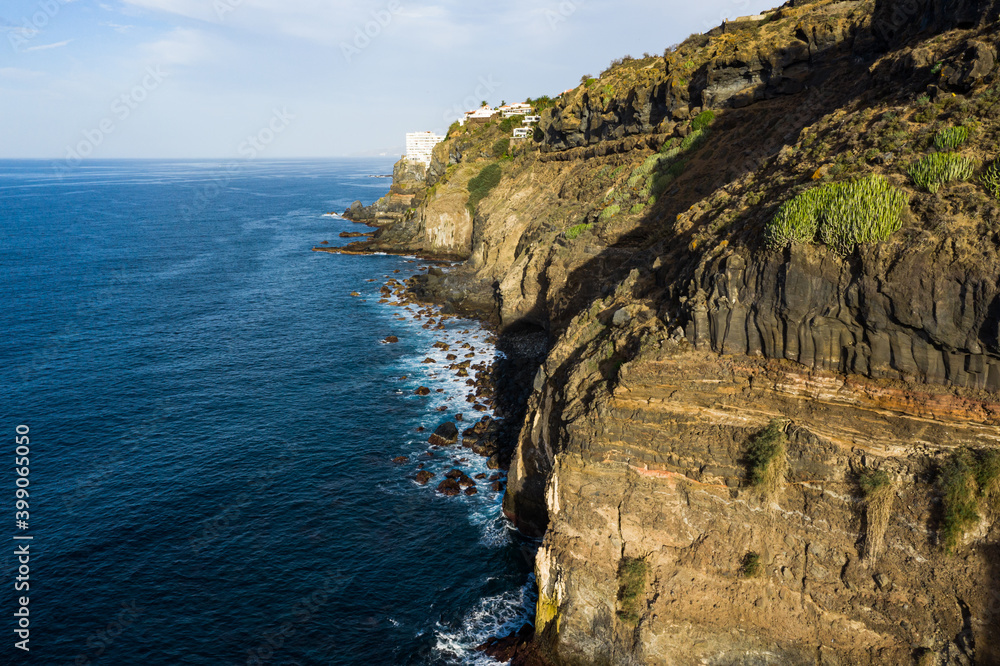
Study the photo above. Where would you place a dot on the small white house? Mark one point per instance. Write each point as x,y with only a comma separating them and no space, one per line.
480,115
532,119
522,132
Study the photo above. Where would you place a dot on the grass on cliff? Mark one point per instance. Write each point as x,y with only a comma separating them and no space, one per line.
866,210
767,456
480,186
970,487
932,171
632,573
879,490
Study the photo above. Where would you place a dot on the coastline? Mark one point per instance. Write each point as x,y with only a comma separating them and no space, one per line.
486,434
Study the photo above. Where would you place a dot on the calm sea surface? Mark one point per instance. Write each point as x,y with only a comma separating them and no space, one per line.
213,422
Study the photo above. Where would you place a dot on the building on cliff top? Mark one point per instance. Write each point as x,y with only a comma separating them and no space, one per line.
480,115
420,145
519,109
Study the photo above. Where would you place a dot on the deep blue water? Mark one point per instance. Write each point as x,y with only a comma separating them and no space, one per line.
213,421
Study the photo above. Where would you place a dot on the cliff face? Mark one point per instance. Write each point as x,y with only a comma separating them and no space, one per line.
631,233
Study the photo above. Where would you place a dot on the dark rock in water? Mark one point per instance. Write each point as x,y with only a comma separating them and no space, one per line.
496,476
400,460
516,645
480,408
423,390
493,462
459,417
449,487
451,357
497,487
445,435
486,449
471,491
466,482
325,243
443,346
423,476
355,294
480,476
454,474
391,340
429,360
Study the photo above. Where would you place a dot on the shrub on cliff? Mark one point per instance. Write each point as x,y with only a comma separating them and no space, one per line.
767,456
574,232
879,490
751,566
934,170
703,120
482,185
632,574
500,147
609,212
867,210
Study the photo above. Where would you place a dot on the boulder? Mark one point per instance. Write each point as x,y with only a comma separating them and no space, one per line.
423,390
445,435
449,488
423,476
391,340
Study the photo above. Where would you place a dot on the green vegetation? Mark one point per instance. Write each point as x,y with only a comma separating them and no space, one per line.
703,120
589,81
632,574
609,212
879,493
454,129
961,507
751,566
934,170
767,456
541,103
988,479
501,147
951,138
694,140
867,210
482,185
991,178
507,124
638,208
574,232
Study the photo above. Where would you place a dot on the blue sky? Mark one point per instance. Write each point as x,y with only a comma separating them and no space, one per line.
306,78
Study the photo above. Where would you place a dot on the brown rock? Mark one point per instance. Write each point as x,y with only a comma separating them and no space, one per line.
423,390
472,491
391,340
429,360
400,460
449,488
423,476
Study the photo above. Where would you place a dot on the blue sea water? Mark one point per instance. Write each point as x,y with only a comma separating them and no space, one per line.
213,421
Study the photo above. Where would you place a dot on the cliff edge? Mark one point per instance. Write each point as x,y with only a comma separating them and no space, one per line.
767,426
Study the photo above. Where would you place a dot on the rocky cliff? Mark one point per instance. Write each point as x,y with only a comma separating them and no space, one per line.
739,450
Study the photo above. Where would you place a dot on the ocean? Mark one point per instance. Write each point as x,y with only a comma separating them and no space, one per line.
213,422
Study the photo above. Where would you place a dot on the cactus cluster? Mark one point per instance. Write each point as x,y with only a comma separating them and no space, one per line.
990,178
934,170
866,210
950,138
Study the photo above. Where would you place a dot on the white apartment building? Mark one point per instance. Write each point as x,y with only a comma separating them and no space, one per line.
532,119
419,146
522,132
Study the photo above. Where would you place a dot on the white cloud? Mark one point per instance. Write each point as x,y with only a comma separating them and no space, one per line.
182,46
45,47
117,27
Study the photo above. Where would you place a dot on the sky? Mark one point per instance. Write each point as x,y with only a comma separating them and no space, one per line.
102,79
